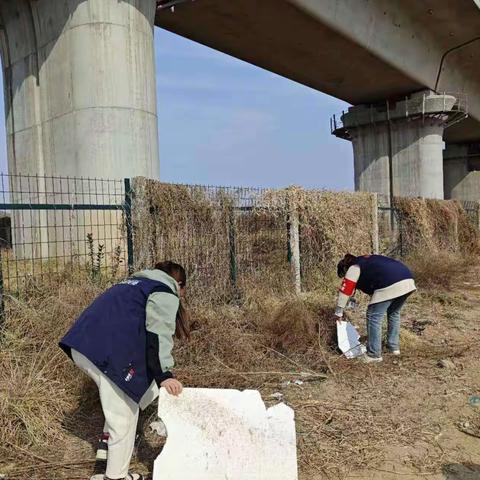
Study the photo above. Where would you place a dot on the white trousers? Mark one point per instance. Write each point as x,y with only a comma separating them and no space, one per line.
121,418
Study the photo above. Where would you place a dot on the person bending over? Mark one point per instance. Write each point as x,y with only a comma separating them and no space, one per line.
389,283
124,342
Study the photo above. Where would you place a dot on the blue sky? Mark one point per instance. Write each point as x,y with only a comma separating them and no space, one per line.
225,122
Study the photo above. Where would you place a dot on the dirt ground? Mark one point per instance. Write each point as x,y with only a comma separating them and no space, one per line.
406,418
436,433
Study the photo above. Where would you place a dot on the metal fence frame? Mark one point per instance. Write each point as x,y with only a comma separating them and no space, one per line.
23,199
32,194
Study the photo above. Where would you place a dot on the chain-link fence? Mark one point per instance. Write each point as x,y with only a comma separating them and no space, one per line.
473,211
48,224
415,224
232,241
238,240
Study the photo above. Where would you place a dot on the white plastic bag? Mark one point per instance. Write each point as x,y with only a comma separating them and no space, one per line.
349,340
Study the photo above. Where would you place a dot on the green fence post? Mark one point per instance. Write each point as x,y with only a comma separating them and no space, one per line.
128,220
478,216
232,242
2,303
289,247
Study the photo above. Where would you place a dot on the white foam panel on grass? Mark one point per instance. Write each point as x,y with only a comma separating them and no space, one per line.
215,434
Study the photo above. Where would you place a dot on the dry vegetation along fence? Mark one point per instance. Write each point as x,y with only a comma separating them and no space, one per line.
231,240
237,244
236,240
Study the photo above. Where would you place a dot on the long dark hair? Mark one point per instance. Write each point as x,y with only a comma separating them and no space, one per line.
182,322
345,263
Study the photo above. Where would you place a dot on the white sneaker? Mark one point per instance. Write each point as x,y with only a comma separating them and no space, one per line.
395,352
368,359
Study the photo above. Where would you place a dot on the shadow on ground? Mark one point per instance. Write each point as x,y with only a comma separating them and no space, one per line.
148,445
86,424
456,471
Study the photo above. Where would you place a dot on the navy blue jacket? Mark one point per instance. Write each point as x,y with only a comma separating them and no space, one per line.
377,271
112,334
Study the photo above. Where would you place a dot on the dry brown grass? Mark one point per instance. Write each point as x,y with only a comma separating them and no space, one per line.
274,336
440,269
261,343
37,383
254,335
231,346
204,228
436,226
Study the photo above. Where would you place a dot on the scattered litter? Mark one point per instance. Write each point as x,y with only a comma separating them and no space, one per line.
469,429
473,401
446,363
295,382
349,340
159,428
277,396
418,326
352,304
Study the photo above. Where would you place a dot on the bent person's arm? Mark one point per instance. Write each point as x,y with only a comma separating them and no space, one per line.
160,324
347,289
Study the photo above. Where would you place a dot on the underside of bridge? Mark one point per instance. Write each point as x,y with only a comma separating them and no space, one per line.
84,69
361,51
372,54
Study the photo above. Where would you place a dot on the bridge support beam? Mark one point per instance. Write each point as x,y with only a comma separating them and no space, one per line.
398,145
462,171
80,87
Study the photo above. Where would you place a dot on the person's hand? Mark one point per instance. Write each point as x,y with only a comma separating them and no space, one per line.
172,386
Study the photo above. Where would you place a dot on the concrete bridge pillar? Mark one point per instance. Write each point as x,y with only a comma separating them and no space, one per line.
462,171
80,100
398,145
80,90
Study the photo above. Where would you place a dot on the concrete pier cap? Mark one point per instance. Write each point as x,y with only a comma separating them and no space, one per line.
398,145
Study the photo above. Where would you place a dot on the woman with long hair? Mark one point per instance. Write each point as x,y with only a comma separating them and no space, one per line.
389,283
124,342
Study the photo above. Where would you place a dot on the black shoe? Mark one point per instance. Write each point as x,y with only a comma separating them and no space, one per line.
102,448
130,476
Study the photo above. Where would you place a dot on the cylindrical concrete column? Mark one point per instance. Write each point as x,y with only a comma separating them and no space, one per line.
416,158
370,157
462,172
80,87
417,163
80,91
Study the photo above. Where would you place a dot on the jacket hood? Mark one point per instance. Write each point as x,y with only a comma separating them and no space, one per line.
159,276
